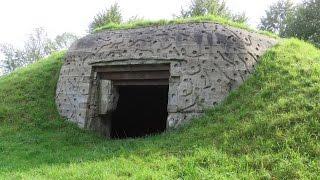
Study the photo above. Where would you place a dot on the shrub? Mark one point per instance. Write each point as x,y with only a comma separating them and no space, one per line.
111,15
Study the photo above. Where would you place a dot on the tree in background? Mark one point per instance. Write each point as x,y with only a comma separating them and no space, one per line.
37,46
13,58
211,7
241,18
305,22
65,40
204,7
277,16
301,21
110,15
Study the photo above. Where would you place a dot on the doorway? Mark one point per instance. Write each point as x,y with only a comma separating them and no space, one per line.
141,106
141,111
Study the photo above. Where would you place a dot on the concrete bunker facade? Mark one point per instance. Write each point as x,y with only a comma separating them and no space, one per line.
185,69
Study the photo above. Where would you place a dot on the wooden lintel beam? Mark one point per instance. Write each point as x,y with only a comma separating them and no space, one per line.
131,68
135,75
141,82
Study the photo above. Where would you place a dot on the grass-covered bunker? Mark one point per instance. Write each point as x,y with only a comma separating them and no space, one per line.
128,83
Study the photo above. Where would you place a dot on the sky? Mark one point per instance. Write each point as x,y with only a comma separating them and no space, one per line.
18,18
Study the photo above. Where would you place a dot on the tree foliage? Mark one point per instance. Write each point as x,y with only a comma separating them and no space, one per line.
305,22
65,40
37,46
203,7
241,18
211,7
110,15
301,21
277,16
12,58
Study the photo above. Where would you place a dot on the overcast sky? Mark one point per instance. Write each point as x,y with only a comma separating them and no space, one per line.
19,17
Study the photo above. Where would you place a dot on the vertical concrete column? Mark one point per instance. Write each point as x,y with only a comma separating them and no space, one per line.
108,97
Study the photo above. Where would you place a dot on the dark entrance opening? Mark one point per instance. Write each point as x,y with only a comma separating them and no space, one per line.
143,96
141,111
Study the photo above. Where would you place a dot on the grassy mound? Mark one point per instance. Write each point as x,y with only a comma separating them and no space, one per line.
268,128
208,18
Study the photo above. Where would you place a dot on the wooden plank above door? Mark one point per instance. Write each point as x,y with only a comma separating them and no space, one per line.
131,68
152,74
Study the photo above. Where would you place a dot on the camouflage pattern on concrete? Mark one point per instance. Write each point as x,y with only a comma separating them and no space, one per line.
207,61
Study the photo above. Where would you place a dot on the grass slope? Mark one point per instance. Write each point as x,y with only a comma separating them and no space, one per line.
268,128
198,19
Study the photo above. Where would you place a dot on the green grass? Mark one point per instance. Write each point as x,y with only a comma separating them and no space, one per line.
208,18
268,128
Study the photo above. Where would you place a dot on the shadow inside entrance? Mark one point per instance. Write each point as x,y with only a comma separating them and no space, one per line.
141,111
